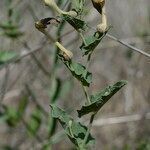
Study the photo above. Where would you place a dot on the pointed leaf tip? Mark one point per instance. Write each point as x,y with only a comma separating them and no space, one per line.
99,99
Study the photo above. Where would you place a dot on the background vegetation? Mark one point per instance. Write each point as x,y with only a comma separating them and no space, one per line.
29,82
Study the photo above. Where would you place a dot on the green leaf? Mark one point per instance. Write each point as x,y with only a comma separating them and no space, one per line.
3,116
78,71
8,3
46,147
99,99
8,26
13,33
35,121
22,106
143,144
91,42
6,55
74,130
14,115
8,147
75,22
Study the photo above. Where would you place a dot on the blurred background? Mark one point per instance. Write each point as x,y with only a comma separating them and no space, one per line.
29,83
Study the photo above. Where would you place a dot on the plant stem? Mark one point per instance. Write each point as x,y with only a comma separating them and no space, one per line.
133,48
88,60
128,45
86,94
82,37
88,131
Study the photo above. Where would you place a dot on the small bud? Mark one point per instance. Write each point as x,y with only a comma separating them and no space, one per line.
71,13
67,54
70,128
70,123
101,27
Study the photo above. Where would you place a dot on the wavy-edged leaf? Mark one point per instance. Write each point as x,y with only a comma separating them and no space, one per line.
99,99
78,24
78,71
92,42
74,130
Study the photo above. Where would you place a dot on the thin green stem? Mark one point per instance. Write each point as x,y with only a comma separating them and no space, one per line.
82,37
86,94
88,60
88,131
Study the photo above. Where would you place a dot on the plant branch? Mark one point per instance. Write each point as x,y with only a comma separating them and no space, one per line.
82,37
128,45
125,44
